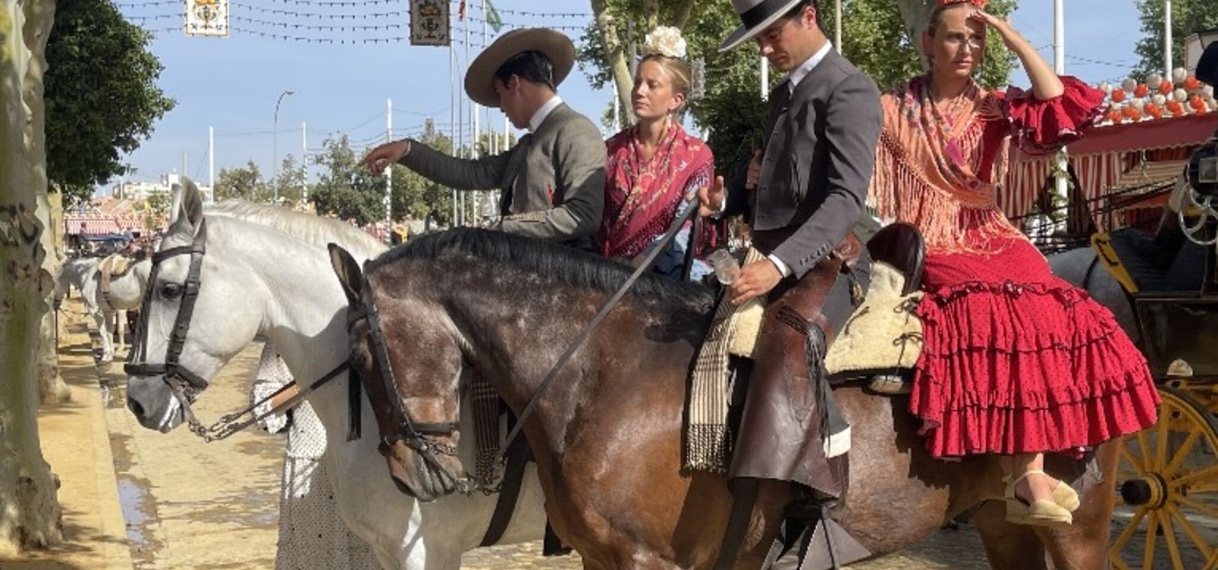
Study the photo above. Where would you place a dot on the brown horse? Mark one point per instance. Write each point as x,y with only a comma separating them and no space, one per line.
607,435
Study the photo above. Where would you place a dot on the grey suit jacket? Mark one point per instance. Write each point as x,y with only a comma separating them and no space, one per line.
818,160
553,181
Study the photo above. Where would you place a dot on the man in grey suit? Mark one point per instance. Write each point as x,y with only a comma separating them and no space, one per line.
811,183
552,181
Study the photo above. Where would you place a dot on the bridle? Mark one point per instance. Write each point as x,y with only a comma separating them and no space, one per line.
184,384
418,436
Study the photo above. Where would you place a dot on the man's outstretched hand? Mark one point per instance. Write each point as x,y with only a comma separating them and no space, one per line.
382,156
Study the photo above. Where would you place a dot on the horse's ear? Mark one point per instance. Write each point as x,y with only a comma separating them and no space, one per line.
175,203
192,202
350,276
186,210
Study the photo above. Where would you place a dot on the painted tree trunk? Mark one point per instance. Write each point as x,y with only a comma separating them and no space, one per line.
51,387
30,516
616,55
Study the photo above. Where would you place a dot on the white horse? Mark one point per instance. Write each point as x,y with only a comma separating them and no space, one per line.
107,306
256,279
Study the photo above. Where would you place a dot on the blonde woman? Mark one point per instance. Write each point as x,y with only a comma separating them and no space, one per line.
653,165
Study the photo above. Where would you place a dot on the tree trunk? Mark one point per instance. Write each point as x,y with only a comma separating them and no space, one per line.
684,11
916,15
30,516
51,387
616,56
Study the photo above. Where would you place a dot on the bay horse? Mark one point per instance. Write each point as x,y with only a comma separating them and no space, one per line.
264,270
607,435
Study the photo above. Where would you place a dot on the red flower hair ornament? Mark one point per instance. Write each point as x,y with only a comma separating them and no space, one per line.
980,4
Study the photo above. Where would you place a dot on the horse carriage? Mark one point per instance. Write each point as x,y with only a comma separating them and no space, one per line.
1166,513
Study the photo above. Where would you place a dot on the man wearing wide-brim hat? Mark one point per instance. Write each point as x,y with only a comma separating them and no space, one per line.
811,182
552,181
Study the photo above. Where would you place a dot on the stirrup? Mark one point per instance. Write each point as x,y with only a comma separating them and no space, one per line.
1040,512
890,385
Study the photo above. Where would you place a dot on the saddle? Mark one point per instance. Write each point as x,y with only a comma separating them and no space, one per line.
882,339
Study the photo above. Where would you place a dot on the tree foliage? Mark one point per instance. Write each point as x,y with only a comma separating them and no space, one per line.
244,183
344,189
101,94
1188,17
289,182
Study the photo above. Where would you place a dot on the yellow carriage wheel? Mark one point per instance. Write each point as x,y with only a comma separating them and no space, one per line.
1166,514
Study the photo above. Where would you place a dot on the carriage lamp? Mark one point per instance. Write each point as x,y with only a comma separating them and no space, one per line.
1203,169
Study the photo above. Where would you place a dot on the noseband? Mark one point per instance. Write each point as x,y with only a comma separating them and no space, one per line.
416,435
184,383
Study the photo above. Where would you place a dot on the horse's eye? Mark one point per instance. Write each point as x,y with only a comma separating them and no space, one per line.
171,291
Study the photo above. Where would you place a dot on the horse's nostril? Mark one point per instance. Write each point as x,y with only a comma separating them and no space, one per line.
135,408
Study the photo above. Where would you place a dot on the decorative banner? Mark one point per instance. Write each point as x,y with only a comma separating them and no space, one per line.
429,23
207,18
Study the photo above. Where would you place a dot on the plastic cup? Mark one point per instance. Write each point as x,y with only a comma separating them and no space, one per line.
726,268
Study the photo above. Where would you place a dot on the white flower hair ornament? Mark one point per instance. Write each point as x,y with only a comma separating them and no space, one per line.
666,41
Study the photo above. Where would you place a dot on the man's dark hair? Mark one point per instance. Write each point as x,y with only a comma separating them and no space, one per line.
532,66
798,11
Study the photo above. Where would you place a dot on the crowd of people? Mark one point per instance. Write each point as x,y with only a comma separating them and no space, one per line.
1015,363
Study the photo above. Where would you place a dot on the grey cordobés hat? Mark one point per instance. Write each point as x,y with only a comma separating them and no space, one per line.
755,16
480,77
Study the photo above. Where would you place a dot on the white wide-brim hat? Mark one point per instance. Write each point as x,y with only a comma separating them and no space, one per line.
755,16
480,77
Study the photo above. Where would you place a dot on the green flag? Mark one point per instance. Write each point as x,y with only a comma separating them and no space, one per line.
492,16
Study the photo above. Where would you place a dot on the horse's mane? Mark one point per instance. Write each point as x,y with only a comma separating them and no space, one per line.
307,227
546,258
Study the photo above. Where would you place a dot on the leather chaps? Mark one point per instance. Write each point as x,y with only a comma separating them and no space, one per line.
780,433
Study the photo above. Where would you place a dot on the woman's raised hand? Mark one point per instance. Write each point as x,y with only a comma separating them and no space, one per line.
1010,37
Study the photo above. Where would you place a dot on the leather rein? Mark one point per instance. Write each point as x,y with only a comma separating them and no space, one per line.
420,436
184,384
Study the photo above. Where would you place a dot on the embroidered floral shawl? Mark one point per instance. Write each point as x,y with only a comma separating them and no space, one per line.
642,199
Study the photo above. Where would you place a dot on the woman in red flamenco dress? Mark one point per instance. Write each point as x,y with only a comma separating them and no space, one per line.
1016,362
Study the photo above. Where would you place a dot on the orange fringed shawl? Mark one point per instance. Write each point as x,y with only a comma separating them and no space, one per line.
943,171
931,169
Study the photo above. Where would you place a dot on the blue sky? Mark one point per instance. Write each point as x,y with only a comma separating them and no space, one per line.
232,84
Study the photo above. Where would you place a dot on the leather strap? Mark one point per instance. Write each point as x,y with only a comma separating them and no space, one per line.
509,493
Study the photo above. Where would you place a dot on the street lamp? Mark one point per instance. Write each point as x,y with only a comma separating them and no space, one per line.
275,147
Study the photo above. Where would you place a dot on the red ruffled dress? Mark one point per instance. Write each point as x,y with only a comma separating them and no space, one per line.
1015,360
